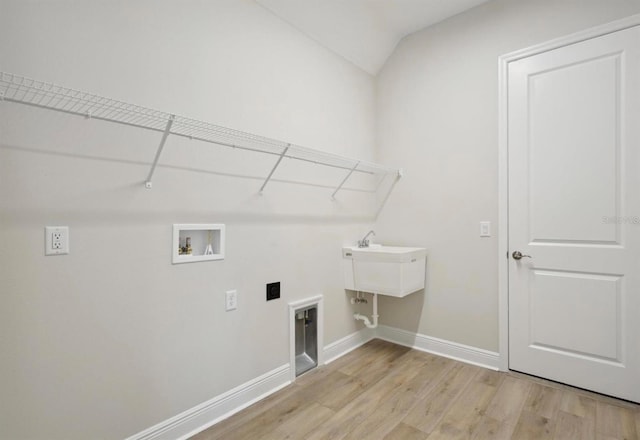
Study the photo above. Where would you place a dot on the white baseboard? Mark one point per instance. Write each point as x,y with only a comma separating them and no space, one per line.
441,347
200,417
349,343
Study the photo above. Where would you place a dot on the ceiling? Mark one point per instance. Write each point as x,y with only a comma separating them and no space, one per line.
364,32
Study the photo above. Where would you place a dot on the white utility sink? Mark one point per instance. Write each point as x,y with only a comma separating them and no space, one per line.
386,270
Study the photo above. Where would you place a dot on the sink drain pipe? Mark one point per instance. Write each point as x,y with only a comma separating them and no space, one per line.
374,317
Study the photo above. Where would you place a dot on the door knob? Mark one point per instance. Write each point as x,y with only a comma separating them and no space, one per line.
517,255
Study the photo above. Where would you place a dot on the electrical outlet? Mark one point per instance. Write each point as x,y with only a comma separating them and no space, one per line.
56,240
231,300
273,291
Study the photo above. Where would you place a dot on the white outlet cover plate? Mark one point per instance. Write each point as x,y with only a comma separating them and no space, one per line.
231,300
485,229
53,246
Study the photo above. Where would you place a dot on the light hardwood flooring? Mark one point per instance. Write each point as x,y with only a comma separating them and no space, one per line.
385,391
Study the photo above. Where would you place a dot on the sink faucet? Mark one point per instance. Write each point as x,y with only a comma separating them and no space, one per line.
365,242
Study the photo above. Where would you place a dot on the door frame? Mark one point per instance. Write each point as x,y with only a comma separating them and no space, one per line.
503,163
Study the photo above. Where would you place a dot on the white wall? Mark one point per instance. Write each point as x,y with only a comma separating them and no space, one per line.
113,338
437,103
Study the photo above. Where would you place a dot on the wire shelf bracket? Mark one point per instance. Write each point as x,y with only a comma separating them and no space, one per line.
23,90
333,196
273,170
148,184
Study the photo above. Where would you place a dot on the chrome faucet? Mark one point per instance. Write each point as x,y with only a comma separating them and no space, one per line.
365,241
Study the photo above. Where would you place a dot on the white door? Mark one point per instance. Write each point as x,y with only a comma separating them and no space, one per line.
574,208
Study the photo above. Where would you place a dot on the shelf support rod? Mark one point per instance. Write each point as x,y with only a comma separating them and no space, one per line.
397,177
273,170
148,184
333,196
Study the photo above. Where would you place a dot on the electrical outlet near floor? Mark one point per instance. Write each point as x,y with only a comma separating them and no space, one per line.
56,240
231,300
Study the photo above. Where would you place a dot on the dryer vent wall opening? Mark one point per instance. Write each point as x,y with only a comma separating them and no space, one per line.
306,339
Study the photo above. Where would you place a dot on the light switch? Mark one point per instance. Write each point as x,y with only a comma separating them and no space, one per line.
485,229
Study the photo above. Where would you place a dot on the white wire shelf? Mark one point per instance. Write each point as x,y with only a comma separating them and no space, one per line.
23,90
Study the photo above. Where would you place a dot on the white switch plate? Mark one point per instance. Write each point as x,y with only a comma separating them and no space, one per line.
231,300
56,240
485,229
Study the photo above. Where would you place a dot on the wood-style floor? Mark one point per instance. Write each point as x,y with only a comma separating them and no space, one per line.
385,391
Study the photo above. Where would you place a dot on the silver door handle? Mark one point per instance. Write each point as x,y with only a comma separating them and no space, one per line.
517,255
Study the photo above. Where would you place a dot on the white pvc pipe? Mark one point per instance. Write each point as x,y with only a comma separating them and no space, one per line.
374,317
